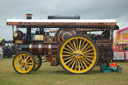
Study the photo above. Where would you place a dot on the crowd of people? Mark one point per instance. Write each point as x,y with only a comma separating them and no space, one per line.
6,51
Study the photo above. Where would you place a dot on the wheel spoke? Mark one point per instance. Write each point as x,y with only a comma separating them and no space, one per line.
74,45
71,62
67,52
84,46
87,48
88,56
20,57
21,67
77,44
78,64
80,45
86,61
29,60
68,49
68,60
29,63
18,62
81,63
66,55
26,58
88,51
26,67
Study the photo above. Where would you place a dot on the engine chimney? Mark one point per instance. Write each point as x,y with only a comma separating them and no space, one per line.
28,16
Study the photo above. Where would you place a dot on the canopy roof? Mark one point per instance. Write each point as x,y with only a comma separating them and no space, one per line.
62,23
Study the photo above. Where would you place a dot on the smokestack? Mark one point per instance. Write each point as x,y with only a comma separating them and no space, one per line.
28,16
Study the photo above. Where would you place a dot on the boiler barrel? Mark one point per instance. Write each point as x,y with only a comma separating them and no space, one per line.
39,48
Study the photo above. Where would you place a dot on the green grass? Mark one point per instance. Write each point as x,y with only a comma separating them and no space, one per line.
56,75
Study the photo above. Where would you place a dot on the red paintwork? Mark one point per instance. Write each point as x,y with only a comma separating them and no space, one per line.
48,59
44,48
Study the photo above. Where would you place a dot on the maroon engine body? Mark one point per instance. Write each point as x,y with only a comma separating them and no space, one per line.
39,49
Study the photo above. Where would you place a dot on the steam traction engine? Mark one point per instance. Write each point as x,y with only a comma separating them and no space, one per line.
77,45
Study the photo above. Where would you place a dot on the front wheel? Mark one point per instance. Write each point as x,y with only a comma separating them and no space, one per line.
24,62
78,54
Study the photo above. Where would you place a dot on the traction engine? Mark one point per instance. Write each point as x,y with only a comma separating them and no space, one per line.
73,44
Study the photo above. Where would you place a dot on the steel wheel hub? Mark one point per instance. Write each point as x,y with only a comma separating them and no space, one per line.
78,54
23,63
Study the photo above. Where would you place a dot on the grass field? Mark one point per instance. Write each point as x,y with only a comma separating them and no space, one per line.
55,75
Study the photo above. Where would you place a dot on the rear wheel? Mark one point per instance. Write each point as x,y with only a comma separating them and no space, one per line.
78,54
38,62
23,62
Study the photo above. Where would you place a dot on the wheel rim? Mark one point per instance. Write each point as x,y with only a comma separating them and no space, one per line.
23,63
78,55
37,57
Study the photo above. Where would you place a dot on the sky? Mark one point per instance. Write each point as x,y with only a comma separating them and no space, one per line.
87,9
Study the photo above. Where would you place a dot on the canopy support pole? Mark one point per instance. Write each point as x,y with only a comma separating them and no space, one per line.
12,31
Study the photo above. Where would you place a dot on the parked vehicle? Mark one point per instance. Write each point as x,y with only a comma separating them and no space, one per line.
76,51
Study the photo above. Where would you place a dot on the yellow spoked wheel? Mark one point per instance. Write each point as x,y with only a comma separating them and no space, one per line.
38,62
78,54
23,62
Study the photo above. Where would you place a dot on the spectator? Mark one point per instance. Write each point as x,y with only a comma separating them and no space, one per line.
9,52
5,52
1,52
